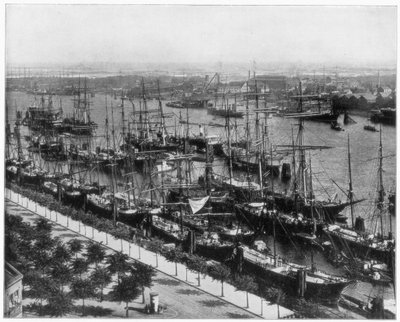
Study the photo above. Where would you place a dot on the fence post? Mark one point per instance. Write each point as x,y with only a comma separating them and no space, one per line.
129,249
262,308
35,206
67,221
186,274
92,232
56,216
45,212
106,238
139,251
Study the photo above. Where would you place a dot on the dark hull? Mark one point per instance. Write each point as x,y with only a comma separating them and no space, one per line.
328,210
99,210
224,113
219,253
74,200
363,250
165,235
328,292
325,118
131,219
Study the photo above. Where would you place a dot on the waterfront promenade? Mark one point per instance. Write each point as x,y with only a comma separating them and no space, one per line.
179,292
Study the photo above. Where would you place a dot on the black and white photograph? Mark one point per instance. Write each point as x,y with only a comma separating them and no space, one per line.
199,160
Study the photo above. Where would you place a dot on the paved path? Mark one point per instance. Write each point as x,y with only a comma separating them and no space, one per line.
188,300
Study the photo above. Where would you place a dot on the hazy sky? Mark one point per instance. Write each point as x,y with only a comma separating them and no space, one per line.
137,33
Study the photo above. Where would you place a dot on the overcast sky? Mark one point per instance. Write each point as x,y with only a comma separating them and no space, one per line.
134,33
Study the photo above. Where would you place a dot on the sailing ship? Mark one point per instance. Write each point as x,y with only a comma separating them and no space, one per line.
226,110
294,278
43,115
361,243
80,123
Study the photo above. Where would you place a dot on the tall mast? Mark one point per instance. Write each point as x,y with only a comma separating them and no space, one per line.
381,191
123,120
107,134
311,197
163,129
229,147
350,182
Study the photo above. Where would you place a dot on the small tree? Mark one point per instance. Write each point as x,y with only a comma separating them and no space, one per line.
126,291
42,288
198,264
100,278
143,274
275,295
59,304
61,274
246,283
118,263
82,289
156,246
79,266
75,246
43,226
95,253
174,256
61,253
220,272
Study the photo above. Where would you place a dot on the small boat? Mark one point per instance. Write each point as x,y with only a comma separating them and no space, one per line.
370,128
176,104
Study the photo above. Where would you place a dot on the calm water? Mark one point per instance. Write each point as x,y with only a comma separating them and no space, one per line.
328,164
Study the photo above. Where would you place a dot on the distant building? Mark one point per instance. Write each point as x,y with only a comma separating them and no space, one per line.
370,98
12,292
266,83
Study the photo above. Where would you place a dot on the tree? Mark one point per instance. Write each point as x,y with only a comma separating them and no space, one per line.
75,246
79,266
275,295
100,278
126,291
61,274
42,288
198,264
174,256
43,227
156,246
82,289
220,272
59,304
246,283
61,253
118,263
95,253
144,275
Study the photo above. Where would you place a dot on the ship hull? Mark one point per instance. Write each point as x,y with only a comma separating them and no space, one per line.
328,292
